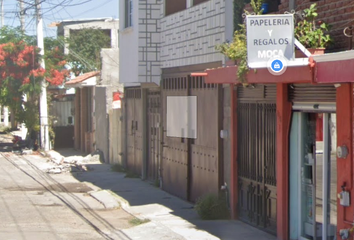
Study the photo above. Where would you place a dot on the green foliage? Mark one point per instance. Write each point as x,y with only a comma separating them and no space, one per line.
4,129
54,52
237,49
212,207
84,49
15,35
30,115
118,168
256,6
121,169
238,10
137,221
157,183
310,33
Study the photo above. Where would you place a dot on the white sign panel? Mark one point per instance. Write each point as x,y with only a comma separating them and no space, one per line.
182,117
269,36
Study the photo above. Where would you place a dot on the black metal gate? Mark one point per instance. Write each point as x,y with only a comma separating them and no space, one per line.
153,132
256,120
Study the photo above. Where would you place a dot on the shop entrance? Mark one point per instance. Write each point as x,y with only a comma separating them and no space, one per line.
313,176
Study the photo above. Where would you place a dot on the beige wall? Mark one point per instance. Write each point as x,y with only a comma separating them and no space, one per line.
115,136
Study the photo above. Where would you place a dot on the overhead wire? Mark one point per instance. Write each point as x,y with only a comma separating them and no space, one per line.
50,11
75,54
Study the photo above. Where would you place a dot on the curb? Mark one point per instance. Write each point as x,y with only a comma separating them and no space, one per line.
122,202
105,198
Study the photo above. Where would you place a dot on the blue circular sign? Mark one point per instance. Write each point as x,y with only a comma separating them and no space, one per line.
277,65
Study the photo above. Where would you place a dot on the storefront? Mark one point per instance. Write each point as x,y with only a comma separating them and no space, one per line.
314,109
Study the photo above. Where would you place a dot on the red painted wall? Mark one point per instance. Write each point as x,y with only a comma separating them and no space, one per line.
345,166
282,158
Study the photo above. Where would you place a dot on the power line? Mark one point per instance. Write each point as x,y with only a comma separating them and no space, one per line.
52,10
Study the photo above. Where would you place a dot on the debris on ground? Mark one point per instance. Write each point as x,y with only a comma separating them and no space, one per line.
72,163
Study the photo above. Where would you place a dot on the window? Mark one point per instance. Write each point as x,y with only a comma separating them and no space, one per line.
128,13
195,2
173,6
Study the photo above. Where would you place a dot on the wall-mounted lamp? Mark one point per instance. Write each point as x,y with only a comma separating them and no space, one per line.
342,151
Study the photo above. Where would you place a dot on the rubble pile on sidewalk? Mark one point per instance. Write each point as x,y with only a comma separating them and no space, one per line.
72,163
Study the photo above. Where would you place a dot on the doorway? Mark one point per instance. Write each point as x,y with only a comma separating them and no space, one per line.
313,176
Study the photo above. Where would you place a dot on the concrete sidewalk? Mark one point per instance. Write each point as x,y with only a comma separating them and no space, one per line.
171,217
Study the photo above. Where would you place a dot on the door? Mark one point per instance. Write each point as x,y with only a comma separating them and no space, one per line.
191,166
153,132
313,176
134,130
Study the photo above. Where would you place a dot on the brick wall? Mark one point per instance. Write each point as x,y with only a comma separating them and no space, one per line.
337,13
189,37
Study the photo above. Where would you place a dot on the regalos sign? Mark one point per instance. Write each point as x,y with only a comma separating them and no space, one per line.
268,37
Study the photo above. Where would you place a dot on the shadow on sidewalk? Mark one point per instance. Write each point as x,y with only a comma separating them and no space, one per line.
151,200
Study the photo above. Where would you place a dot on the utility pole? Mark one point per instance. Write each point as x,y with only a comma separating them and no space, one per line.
2,12
43,110
5,109
22,15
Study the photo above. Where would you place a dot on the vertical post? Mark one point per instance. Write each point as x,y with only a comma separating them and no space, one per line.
146,144
220,118
43,111
234,169
325,175
189,145
22,15
282,160
6,116
344,104
2,12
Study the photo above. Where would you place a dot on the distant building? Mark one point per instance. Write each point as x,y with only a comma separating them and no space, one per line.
90,87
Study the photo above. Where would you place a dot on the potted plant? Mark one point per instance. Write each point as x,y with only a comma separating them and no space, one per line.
237,49
312,34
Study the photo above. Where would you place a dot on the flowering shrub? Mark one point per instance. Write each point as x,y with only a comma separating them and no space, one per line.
21,74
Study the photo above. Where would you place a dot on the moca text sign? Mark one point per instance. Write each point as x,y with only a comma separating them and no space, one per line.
269,36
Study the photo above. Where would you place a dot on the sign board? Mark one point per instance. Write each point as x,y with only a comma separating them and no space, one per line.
182,116
269,36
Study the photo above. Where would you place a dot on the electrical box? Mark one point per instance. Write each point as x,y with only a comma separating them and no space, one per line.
344,198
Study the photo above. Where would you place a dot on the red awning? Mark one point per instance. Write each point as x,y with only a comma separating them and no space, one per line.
334,67
227,75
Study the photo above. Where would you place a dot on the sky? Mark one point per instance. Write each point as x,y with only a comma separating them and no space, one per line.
57,10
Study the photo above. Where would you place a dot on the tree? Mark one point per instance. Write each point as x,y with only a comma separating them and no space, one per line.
84,49
21,74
